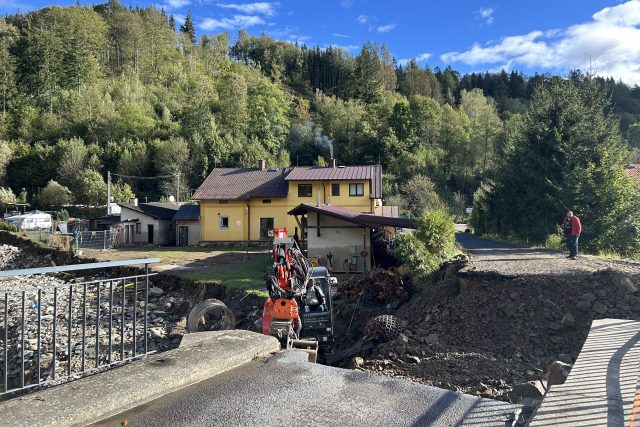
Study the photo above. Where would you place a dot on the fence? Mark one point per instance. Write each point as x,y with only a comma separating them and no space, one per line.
55,331
96,239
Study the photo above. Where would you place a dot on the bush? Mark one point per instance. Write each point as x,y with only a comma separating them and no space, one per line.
555,241
8,227
433,242
62,215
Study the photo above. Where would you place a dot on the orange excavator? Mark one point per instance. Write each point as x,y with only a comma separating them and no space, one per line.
299,310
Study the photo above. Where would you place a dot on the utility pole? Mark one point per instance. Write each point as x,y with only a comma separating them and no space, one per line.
178,188
108,193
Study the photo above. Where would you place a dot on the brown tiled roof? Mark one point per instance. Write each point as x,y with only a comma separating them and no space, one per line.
243,183
372,173
154,210
634,172
366,220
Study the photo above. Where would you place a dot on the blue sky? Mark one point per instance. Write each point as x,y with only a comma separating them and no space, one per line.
470,35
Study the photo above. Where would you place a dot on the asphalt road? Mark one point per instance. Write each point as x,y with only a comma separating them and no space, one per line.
285,390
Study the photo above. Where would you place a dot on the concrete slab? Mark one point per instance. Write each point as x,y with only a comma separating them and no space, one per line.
601,386
286,390
201,356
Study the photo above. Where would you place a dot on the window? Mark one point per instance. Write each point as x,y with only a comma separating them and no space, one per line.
356,189
224,222
138,228
266,228
305,190
335,190
266,201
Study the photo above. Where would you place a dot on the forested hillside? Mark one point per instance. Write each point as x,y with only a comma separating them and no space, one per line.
86,90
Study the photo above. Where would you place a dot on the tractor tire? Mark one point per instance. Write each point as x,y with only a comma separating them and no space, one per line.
211,315
387,327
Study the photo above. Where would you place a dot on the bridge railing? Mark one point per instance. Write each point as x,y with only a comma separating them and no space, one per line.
52,331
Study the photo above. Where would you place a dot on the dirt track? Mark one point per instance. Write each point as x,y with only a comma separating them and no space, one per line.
508,260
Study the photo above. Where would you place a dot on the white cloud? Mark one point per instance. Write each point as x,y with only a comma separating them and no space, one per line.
341,36
238,21
346,3
363,19
486,14
177,4
609,44
179,18
386,28
262,8
419,58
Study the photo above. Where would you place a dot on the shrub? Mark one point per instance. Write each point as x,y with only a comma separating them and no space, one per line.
555,241
8,227
433,242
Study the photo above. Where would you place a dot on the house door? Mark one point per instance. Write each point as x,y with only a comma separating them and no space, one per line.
150,233
183,235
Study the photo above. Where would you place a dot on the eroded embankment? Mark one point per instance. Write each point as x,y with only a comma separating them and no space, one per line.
485,333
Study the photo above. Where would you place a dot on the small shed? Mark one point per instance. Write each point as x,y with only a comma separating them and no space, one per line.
342,237
34,220
150,223
187,221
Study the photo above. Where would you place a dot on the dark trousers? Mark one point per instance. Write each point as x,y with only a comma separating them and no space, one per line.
572,245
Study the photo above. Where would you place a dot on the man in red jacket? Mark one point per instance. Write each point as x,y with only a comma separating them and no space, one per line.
572,229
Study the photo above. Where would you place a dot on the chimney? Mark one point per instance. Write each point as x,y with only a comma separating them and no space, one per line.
262,164
332,163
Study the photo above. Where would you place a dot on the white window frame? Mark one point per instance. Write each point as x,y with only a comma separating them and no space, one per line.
220,225
359,189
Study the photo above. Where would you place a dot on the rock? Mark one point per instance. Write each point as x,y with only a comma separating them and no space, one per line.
155,292
549,304
624,283
583,305
530,389
357,361
568,320
156,332
399,349
599,308
556,340
431,339
47,317
565,358
412,359
601,293
558,373
587,297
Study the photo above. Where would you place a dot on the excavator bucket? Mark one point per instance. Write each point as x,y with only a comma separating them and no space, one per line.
308,346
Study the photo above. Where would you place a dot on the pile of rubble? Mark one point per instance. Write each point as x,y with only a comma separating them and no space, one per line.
496,336
378,286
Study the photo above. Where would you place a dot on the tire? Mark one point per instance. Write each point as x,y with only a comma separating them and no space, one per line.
211,315
386,326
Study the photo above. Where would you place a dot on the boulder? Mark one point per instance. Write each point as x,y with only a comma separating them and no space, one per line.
558,373
587,297
568,320
155,292
529,389
624,283
599,308
583,305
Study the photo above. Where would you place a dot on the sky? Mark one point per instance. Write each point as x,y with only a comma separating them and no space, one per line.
470,35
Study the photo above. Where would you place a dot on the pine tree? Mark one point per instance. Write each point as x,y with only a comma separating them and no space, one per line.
189,29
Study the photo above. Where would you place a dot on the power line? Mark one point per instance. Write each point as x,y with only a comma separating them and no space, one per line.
144,177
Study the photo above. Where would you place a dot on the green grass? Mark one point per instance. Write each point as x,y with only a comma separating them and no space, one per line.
243,275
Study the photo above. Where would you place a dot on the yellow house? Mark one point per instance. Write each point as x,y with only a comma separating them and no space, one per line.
240,204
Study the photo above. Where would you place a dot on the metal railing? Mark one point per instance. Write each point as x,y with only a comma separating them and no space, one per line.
56,332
